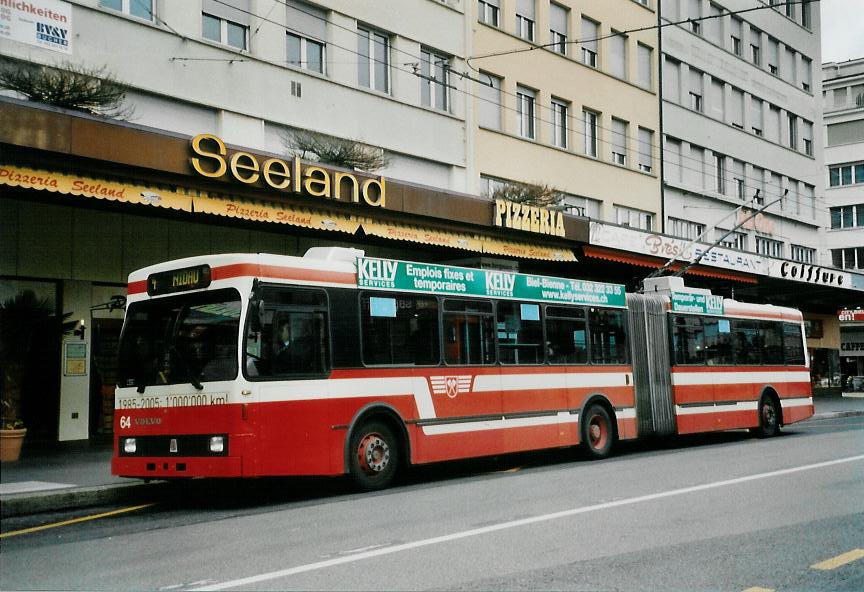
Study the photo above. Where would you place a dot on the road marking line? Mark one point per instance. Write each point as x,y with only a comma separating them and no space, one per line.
835,562
73,521
759,589
514,524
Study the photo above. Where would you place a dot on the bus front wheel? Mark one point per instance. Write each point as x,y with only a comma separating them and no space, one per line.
375,459
598,434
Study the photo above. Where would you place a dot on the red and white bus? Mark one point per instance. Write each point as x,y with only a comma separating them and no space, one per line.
261,365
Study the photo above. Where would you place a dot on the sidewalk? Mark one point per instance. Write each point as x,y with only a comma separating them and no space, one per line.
62,475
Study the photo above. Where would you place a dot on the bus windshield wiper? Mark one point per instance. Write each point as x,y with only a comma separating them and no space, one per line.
191,378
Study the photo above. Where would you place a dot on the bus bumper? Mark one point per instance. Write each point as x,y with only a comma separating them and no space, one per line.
164,468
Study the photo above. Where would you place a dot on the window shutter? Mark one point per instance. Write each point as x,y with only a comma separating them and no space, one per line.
737,107
525,8
490,101
619,136
644,65
756,113
589,34
558,18
307,20
618,48
236,10
645,149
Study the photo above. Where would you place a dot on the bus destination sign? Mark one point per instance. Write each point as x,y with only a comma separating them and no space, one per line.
405,276
697,303
178,280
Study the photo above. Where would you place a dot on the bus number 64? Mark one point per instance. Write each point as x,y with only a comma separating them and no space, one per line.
125,422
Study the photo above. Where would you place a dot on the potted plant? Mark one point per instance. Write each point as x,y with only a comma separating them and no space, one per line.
23,319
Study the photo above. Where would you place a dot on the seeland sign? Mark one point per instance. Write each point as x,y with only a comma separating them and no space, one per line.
211,159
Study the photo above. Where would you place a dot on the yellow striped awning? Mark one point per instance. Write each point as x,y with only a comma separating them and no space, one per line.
261,211
70,184
496,246
418,234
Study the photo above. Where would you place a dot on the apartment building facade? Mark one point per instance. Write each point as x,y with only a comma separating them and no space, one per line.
843,94
566,97
741,112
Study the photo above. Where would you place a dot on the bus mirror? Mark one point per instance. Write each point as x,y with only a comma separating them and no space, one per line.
255,308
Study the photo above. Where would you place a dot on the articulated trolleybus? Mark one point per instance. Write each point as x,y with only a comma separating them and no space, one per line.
332,363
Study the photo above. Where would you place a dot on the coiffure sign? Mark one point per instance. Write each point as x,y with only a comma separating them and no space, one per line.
43,23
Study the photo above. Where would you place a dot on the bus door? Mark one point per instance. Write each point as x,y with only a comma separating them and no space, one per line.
649,342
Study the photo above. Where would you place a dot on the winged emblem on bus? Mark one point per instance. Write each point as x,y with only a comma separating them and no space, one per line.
452,386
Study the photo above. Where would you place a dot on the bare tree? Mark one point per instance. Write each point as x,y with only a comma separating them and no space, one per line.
339,152
534,194
92,90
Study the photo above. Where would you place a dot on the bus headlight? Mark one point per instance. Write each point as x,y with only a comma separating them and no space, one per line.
130,446
217,444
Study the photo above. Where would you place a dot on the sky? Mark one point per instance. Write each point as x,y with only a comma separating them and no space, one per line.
842,30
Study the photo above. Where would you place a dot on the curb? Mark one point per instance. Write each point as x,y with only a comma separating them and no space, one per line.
836,414
24,504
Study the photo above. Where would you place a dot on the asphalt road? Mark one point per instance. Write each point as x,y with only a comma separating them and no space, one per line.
719,512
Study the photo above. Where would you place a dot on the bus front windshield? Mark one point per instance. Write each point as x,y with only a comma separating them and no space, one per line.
180,339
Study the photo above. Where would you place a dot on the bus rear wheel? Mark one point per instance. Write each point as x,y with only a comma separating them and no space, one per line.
769,418
598,434
375,456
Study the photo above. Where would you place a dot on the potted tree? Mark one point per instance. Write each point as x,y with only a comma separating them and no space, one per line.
24,318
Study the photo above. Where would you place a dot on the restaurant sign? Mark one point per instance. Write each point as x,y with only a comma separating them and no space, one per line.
428,278
211,159
520,216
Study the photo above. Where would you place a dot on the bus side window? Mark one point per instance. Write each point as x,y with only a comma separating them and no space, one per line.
748,350
520,333
469,330
399,329
566,335
688,340
608,337
718,342
793,344
294,335
771,335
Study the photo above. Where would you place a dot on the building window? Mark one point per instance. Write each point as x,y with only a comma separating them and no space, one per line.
487,11
696,90
738,185
685,228
847,217
560,129
434,80
619,142
807,137
769,247
373,59
805,14
142,9
589,42
806,73
489,101
581,206
525,98
590,120
773,55
646,145
305,53
525,19
847,174
225,22
735,34
695,13
617,58
803,254
644,66
756,115
634,218
735,240
793,131
756,46
719,173
714,24
737,114
849,258
558,28
307,31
